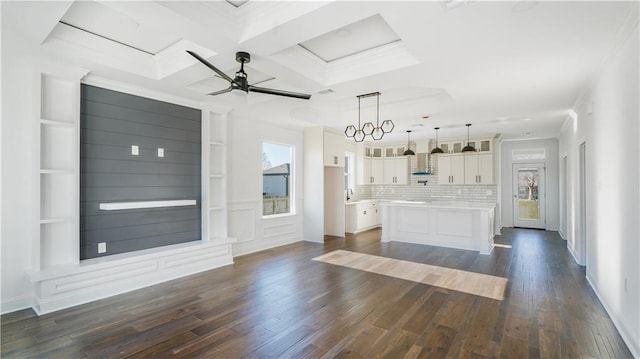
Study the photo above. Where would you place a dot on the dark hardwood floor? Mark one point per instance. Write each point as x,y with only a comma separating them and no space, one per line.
280,304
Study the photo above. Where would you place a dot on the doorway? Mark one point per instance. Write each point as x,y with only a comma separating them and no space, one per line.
528,195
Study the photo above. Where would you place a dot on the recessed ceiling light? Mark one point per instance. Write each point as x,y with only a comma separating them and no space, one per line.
417,125
528,133
425,117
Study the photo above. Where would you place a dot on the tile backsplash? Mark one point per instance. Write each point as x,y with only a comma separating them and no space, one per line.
433,191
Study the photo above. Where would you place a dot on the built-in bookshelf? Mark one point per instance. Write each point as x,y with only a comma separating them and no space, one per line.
55,241
216,169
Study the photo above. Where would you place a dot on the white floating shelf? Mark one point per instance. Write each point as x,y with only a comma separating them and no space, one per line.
57,123
216,143
55,220
216,175
49,171
114,206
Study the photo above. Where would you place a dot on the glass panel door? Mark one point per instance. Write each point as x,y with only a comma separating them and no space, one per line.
528,204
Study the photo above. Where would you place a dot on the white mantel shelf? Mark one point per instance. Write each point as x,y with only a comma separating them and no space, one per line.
461,225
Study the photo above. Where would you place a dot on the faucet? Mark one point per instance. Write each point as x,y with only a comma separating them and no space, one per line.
423,182
349,191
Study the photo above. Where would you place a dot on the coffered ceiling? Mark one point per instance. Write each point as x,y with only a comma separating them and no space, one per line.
506,67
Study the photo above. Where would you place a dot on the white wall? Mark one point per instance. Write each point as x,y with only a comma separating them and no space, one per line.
608,120
244,168
550,146
17,171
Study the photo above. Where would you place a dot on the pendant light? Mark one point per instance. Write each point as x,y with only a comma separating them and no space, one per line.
437,150
468,147
368,129
408,152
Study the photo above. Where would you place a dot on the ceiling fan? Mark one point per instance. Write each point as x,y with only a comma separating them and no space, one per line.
240,82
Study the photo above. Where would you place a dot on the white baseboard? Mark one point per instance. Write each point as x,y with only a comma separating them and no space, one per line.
634,346
562,234
71,286
242,248
574,254
15,304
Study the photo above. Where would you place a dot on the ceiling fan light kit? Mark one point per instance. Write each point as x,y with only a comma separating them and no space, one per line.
240,84
368,129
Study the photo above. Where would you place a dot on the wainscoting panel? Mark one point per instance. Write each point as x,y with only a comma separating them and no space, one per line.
255,233
242,221
279,230
101,278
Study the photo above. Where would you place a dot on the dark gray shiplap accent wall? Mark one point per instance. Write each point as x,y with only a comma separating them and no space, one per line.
110,123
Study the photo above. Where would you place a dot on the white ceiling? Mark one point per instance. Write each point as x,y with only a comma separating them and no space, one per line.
506,67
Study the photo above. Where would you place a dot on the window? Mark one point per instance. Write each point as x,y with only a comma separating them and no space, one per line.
349,173
537,154
277,189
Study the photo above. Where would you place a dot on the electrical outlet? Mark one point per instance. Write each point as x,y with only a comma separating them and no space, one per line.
102,247
135,150
160,152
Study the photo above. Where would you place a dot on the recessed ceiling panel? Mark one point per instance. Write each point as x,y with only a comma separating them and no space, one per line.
360,36
111,24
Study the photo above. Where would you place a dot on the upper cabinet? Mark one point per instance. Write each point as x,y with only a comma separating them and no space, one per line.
394,151
396,170
333,151
484,145
457,168
478,168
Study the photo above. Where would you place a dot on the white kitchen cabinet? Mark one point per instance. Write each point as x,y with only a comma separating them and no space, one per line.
485,145
394,151
396,170
333,150
362,216
372,171
478,168
377,171
451,169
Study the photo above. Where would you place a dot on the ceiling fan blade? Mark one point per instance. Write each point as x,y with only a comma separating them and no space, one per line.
279,92
209,65
220,92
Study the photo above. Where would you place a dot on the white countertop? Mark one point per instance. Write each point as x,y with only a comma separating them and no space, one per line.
430,204
441,204
348,203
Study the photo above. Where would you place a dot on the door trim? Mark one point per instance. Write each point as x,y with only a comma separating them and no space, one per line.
541,223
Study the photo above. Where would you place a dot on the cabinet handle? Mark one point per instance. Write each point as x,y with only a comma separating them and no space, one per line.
479,178
335,160
365,212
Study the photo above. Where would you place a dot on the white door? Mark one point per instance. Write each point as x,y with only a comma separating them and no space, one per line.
528,195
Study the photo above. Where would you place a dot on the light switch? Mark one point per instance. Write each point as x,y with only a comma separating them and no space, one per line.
160,152
134,150
102,247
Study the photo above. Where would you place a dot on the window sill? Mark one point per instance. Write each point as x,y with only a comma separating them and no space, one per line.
274,216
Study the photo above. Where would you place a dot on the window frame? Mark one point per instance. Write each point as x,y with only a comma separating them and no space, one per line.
292,180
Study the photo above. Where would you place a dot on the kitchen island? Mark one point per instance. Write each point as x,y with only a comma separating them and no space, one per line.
460,225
